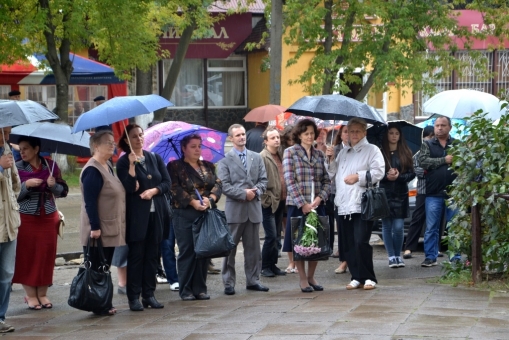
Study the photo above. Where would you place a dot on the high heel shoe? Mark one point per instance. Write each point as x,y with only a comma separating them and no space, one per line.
318,288
152,302
35,307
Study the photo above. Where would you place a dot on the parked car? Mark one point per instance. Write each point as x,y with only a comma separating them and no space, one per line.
412,193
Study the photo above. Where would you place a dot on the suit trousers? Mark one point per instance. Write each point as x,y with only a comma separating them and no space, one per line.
192,272
358,251
249,233
142,263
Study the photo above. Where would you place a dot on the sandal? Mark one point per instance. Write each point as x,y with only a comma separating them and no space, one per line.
34,307
407,255
354,285
47,305
368,285
291,270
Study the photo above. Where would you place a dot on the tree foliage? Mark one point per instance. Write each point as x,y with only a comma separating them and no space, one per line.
380,37
481,162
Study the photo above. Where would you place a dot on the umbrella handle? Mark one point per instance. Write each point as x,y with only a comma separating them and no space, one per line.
128,140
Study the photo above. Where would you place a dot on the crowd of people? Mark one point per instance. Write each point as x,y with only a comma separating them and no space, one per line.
146,203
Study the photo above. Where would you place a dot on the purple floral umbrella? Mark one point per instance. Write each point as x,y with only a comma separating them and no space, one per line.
164,139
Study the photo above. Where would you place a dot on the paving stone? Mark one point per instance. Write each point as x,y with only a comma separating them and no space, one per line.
436,326
363,328
297,328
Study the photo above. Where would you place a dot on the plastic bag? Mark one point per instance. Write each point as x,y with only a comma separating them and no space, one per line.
212,237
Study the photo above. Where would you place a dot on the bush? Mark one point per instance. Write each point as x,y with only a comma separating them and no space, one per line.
481,161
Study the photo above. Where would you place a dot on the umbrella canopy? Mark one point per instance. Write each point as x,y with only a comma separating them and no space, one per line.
264,113
294,119
412,134
54,138
459,127
19,112
335,107
462,103
119,108
164,139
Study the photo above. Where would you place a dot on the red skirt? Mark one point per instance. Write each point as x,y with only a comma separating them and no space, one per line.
36,249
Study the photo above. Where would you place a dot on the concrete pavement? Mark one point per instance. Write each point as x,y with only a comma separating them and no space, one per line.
403,306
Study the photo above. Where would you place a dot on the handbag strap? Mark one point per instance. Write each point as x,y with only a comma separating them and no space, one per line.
102,259
368,180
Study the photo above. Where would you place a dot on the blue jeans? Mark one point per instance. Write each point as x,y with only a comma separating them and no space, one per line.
434,209
7,260
392,231
168,255
270,247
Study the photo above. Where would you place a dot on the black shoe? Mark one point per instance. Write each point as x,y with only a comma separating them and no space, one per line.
428,263
203,296
278,272
135,305
229,291
188,298
407,256
267,273
318,288
440,254
152,303
306,290
258,287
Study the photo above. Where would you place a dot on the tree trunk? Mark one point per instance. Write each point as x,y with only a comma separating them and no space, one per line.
176,65
144,87
276,51
327,46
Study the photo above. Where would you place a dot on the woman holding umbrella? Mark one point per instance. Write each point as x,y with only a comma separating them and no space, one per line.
41,183
146,181
303,168
399,170
195,188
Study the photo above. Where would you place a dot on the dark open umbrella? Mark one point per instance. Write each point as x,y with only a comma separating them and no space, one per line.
335,107
411,133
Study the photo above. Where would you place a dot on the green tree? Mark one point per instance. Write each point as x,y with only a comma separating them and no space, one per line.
380,37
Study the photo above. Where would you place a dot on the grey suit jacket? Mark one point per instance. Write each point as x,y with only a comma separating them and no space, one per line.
235,178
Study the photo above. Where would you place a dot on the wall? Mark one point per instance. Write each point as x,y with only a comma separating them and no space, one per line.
258,82
218,119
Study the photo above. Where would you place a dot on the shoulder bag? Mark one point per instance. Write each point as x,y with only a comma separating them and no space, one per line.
374,205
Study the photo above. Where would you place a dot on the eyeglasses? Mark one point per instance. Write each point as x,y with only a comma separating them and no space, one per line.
110,144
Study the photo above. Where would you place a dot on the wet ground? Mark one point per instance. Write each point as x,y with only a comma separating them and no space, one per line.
403,306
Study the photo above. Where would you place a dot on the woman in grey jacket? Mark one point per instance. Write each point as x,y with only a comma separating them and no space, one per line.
349,169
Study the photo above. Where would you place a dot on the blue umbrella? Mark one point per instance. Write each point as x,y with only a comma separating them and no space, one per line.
19,112
456,133
119,108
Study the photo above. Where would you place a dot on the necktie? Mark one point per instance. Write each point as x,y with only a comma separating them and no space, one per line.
243,159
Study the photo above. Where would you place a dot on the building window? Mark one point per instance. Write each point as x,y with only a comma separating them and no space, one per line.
4,91
226,82
189,87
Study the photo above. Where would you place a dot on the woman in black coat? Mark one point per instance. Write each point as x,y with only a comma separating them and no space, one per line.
399,171
146,181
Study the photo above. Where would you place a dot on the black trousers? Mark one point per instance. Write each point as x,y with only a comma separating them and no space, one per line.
192,272
142,261
271,221
418,218
341,235
358,251
330,209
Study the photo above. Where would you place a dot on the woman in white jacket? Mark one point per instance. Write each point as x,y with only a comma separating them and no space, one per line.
349,169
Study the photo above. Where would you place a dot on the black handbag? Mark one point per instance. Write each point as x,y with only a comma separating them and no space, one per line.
211,235
92,289
374,205
298,225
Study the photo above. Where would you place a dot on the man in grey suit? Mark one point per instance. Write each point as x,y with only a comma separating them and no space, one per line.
242,173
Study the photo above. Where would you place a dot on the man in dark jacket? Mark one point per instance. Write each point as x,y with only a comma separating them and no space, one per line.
254,139
434,159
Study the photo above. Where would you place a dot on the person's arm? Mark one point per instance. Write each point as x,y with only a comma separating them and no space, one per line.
165,185
178,183
217,190
376,168
426,161
326,184
92,185
293,188
124,173
60,189
223,173
261,183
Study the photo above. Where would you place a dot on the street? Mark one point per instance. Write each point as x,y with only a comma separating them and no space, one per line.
404,305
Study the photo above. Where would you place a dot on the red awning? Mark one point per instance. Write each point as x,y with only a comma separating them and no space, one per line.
226,35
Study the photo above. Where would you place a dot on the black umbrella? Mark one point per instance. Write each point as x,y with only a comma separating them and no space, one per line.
335,107
411,133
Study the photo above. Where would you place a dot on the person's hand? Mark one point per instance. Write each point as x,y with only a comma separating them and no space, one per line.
132,158
6,161
148,194
306,208
198,206
316,202
250,194
33,182
51,181
448,159
330,151
137,186
351,179
95,233
206,201
393,174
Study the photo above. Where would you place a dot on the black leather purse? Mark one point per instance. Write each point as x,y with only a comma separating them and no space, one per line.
92,289
374,205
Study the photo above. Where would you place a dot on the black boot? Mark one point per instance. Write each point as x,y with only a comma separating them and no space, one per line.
135,305
152,302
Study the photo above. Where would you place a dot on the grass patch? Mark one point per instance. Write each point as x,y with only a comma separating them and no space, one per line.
72,178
